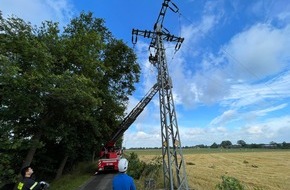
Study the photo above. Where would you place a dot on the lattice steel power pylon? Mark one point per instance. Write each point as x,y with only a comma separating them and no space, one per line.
173,161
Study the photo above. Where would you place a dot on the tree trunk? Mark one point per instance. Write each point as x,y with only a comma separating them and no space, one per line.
93,157
35,141
61,167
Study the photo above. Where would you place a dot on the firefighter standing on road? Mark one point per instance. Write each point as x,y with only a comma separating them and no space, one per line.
122,181
29,184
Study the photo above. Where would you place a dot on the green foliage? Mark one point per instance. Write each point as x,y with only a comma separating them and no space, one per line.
214,145
226,144
62,93
8,174
82,172
136,167
8,158
153,168
142,171
229,183
242,143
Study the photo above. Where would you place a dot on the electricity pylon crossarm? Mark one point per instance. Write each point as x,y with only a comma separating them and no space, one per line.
173,161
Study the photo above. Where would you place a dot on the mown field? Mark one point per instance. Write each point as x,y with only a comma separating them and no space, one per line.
256,169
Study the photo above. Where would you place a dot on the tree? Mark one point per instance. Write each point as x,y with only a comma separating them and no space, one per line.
214,145
273,143
226,144
62,92
285,145
242,143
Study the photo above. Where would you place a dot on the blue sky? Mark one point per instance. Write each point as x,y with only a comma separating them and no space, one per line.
231,76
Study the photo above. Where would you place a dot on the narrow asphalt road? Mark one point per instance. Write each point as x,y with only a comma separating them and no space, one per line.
99,182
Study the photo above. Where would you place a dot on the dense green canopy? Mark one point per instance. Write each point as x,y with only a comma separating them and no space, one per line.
62,92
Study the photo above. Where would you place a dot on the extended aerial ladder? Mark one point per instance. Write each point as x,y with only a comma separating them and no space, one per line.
173,162
109,155
131,117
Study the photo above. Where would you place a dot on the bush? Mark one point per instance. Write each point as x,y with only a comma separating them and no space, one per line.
229,183
146,174
151,175
153,168
136,167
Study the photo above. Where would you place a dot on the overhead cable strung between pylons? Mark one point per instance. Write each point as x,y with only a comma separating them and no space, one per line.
267,85
240,63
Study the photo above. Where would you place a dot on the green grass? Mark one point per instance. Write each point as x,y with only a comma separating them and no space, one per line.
70,182
76,178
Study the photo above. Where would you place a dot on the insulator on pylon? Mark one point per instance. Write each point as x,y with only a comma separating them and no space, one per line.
153,59
174,8
177,46
134,40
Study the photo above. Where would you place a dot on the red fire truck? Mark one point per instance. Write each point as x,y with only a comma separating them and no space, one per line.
110,155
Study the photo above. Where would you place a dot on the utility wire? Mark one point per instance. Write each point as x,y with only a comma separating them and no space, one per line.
224,50
233,57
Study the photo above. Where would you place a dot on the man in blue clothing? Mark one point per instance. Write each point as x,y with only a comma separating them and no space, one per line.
122,181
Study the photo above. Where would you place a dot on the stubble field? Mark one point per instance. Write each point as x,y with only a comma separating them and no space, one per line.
255,169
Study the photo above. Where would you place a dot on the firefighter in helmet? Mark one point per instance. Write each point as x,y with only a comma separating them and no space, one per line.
122,181
28,183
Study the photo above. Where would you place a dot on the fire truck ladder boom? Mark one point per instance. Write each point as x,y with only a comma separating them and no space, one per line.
131,117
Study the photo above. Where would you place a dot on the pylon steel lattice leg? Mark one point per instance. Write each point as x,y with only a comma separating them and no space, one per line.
173,161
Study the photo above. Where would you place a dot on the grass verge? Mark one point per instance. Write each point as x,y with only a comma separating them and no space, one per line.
75,179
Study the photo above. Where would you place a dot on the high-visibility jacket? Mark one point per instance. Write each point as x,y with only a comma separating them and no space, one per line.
28,184
122,181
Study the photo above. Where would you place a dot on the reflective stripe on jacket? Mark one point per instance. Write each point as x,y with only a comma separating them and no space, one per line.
28,184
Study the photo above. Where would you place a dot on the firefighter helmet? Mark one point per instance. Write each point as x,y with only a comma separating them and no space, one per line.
24,169
123,165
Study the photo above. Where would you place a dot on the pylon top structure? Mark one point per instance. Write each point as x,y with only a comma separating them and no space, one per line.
173,161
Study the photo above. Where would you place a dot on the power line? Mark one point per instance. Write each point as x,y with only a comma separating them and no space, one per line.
226,52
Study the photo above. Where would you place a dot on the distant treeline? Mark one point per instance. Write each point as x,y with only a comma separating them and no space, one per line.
228,144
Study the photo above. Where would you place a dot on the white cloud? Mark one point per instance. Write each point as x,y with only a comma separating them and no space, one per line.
37,11
242,95
269,110
258,52
254,54
142,139
273,129
224,118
